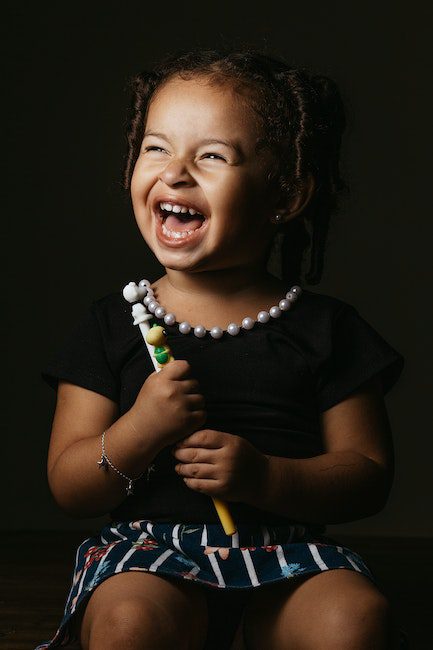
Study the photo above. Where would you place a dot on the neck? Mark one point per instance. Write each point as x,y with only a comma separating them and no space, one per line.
234,283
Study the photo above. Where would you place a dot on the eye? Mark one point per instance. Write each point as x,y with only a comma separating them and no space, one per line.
153,148
215,156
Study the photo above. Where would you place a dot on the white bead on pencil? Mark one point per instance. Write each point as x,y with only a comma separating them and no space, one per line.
133,293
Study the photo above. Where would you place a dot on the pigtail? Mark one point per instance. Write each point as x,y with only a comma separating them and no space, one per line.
316,123
141,88
294,242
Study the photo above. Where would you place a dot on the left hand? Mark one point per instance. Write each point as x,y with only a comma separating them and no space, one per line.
221,465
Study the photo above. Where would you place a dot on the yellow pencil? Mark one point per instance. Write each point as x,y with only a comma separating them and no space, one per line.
160,354
156,337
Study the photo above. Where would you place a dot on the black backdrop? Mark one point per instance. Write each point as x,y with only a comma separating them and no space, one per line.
71,237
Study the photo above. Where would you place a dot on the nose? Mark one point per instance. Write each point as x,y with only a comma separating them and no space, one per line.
176,172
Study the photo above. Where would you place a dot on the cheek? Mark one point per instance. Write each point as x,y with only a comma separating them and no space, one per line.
231,194
135,184
139,193
245,198
141,180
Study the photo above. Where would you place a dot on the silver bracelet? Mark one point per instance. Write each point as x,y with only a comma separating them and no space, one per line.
105,461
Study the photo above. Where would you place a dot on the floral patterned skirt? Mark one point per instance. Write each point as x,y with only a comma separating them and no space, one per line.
256,555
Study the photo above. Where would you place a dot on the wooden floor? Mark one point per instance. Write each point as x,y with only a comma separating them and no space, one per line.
35,583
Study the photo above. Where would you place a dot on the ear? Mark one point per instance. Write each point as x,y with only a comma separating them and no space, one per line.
300,201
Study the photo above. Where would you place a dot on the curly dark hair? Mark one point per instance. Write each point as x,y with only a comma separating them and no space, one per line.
302,118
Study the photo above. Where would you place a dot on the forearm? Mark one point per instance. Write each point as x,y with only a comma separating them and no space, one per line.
331,488
81,488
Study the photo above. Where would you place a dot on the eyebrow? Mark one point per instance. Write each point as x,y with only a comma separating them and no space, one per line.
226,143
158,135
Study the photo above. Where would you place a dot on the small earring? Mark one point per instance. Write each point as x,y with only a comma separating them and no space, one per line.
277,218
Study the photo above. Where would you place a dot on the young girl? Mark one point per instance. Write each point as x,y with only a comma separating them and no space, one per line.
273,402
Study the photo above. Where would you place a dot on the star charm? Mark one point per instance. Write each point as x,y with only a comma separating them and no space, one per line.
150,469
103,462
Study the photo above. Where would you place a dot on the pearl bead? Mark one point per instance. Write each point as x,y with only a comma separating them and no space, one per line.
169,319
134,293
248,323
263,316
152,305
185,327
233,329
216,332
284,304
159,312
200,331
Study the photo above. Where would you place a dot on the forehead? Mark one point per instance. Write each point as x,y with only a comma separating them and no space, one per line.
203,105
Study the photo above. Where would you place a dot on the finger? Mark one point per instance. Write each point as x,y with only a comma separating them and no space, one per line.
211,487
196,402
177,369
195,455
207,438
199,417
191,386
196,470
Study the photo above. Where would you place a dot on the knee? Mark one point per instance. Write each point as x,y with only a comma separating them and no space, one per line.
136,625
357,621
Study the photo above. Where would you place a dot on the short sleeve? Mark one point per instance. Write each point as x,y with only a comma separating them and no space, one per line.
82,359
356,353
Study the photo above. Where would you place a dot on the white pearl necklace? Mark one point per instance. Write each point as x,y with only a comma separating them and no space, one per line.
144,292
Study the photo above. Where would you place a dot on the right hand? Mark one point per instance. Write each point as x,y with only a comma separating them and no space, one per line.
169,405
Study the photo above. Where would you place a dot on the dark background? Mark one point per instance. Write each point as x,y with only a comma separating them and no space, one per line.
71,237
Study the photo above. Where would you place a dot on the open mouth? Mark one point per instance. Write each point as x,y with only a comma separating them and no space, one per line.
178,221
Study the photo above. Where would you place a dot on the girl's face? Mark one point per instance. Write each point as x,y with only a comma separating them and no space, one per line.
199,153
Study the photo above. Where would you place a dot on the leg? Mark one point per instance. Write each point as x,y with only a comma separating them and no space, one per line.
225,609
334,610
140,611
238,641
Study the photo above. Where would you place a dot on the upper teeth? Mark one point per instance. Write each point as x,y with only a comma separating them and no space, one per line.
174,207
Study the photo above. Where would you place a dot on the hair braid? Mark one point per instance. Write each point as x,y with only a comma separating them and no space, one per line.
141,88
317,124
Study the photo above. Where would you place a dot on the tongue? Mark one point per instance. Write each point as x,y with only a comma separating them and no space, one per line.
178,223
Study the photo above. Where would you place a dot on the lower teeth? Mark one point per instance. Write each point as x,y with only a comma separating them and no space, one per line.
174,234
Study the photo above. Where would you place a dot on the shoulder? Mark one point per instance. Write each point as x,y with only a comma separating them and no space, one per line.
312,323
111,304
112,310
323,303
331,323
319,312
343,347
113,318
326,328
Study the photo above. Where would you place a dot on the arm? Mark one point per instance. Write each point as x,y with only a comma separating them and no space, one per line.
351,480
79,487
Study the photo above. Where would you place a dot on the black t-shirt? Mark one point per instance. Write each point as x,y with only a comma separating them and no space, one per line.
268,385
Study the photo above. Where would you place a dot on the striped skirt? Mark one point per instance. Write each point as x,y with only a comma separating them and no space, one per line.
256,555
